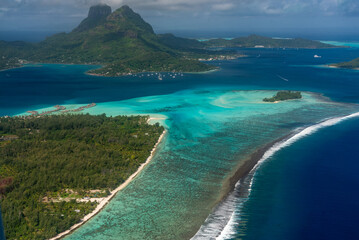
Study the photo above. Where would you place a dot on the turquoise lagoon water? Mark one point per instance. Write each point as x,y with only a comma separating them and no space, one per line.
210,133
347,44
214,123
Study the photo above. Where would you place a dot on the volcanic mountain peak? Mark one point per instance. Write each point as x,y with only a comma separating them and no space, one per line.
96,16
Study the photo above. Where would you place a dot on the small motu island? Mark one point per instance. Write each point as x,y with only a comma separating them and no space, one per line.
353,64
283,95
56,169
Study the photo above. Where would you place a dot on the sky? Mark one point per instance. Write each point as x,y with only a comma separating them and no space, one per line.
268,17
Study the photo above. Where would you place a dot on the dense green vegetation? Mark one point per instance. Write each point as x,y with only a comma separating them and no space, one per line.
11,54
267,42
62,155
161,62
180,43
353,64
283,95
122,42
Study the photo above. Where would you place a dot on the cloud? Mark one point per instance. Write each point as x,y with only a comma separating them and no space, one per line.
240,7
350,8
223,6
4,9
40,12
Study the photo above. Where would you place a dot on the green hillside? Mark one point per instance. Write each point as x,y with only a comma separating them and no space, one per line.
353,64
122,42
267,42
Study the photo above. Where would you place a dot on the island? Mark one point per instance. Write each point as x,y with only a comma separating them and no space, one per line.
57,169
255,41
122,43
353,64
119,41
283,95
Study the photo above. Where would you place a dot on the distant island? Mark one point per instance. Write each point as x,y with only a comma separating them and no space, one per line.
283,95
123,43
255,41
353,64
56,169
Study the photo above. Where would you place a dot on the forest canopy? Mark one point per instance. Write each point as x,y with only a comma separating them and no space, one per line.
45,157
284,95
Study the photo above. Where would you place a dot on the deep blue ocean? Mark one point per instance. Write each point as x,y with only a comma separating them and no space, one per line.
307,190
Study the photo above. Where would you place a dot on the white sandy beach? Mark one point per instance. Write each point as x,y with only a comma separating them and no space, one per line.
155,118
106,200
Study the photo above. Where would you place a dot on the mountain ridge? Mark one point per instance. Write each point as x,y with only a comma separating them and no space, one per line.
120,41
123,43
97,15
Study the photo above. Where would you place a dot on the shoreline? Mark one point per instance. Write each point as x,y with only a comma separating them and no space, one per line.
337,67
6,69
133,73
103,75
107,199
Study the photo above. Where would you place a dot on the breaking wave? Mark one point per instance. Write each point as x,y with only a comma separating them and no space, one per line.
222,222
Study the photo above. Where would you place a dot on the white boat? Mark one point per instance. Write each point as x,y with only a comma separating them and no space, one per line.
317,56
160,77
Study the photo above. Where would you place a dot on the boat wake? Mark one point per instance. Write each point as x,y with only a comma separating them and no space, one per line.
223,221
282,78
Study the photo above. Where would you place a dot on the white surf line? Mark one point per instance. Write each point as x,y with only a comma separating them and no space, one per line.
229,229
282,78
106,200
303,133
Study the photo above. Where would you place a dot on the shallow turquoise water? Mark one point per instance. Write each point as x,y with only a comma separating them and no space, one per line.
338,43
210,132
